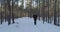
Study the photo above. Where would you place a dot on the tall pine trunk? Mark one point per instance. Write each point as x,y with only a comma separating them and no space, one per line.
1,12
48,11
9,15
43,12
55,15
39,9
13,12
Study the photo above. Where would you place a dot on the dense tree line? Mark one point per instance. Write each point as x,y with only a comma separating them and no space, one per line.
10,9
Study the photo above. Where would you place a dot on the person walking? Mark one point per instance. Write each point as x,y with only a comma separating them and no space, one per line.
35,19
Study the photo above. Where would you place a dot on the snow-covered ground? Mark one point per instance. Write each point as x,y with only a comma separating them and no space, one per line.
26,24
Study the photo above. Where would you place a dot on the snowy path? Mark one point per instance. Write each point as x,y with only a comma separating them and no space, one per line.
25,24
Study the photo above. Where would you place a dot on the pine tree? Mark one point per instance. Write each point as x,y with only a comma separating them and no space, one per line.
1,12
43,8
22,7
39,9
12,12
48,11
55,15
17,9
58,13
9,9
5,8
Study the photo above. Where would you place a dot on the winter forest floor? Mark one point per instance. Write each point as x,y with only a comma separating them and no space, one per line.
26,24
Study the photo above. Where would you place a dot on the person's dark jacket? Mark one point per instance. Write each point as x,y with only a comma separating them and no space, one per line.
35,17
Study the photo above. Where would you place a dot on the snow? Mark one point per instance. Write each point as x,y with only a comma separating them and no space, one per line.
26,24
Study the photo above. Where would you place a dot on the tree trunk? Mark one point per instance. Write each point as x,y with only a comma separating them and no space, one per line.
9,16
55,15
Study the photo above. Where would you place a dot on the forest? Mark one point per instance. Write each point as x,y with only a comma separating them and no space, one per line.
12,9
